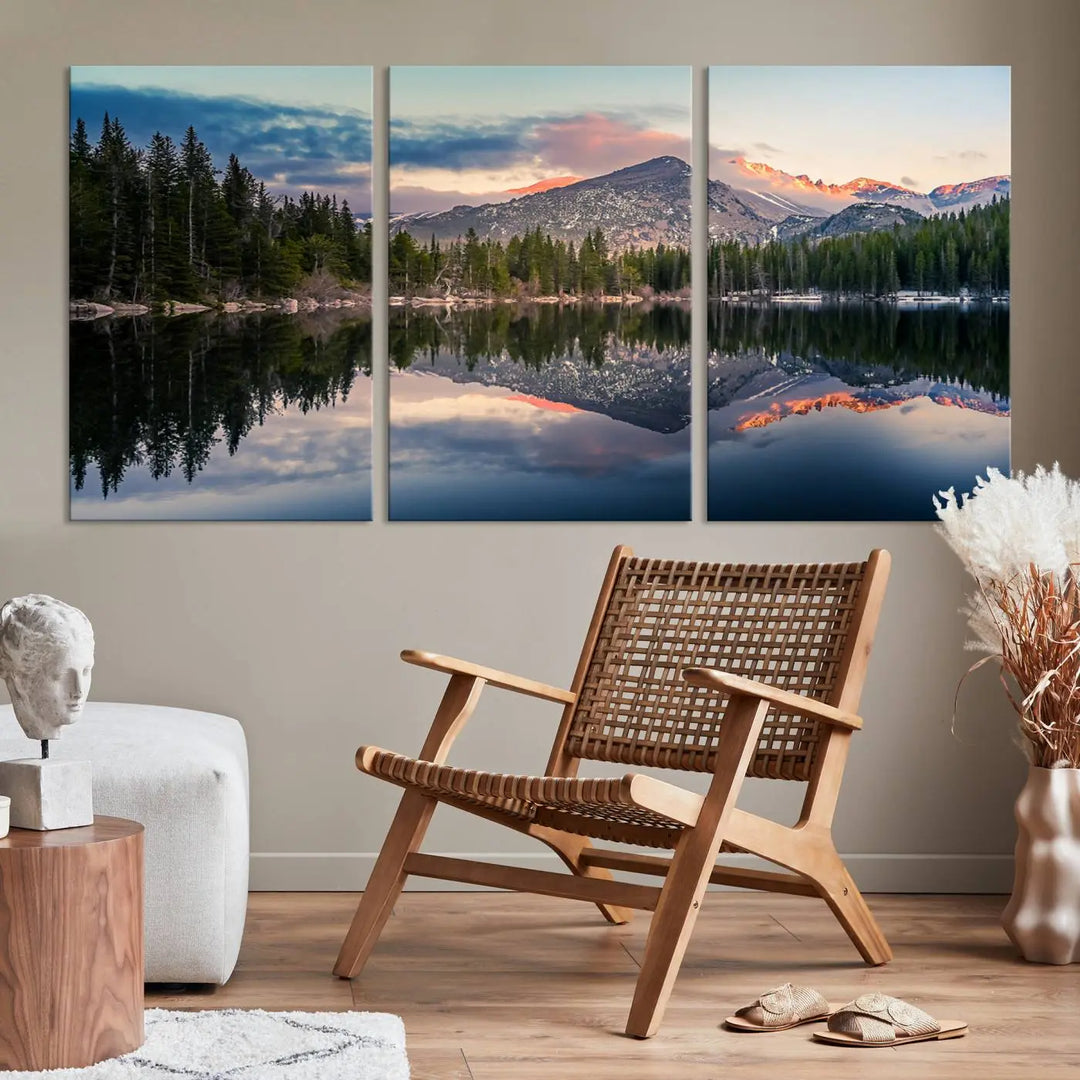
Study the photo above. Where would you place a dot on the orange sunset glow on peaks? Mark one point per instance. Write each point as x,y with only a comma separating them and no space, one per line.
545,185
847,400
801,406
544,403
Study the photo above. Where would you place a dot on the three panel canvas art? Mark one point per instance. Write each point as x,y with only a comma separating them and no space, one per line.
538,315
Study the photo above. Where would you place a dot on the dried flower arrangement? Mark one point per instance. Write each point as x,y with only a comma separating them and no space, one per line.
1019,538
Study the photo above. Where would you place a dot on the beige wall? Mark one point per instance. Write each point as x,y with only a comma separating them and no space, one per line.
294,628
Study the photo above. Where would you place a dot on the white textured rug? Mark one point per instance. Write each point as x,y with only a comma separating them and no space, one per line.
249,1044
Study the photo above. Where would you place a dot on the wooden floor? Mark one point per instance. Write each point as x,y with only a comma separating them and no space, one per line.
497,986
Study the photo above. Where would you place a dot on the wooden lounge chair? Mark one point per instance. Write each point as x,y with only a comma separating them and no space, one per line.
721,669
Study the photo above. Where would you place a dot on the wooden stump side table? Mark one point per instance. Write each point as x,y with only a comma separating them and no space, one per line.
71,945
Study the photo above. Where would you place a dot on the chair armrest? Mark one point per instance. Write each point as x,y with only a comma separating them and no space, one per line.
450,666
800,704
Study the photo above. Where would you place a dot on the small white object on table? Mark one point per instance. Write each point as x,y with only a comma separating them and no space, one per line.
48,794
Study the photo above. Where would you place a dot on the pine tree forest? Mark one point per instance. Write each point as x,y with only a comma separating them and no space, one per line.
162,223
534,265
948,254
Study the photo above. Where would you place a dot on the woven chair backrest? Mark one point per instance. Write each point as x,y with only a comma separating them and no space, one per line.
790,626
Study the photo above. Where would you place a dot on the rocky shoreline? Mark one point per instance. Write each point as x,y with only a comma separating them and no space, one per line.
562,300
88,310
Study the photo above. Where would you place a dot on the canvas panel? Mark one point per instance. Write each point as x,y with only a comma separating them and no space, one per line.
858,270
220,288
539,269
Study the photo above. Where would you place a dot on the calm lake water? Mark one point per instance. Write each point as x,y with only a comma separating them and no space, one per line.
540,412
853,411
514,412
218,417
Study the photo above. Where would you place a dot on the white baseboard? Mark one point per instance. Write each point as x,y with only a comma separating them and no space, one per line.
342,871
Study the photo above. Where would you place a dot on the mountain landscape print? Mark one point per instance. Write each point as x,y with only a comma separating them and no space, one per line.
858,274
220,293
539,283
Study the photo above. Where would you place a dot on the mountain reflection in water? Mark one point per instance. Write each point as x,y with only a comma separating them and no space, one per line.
852,411
540,412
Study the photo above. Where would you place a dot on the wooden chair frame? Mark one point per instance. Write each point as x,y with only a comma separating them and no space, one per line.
705,823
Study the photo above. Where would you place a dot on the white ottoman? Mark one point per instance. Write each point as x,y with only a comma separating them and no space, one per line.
184,776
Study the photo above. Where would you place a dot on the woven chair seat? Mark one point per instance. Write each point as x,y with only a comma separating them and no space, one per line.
599,808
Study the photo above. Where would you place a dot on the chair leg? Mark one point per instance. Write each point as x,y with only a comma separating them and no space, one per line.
839,891
569,848
386,882
691,867
669,932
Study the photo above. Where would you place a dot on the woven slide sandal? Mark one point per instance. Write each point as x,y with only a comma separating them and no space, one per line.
880,1020
777,1010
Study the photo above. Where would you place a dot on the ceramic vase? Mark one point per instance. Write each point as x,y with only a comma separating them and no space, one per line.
1043,915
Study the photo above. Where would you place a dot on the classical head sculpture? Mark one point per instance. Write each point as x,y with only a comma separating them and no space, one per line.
46,657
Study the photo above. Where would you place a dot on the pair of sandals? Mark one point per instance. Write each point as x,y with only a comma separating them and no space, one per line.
869,1020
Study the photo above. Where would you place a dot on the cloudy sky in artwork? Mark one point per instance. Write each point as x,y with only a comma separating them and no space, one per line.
296,128
914,126
476,134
